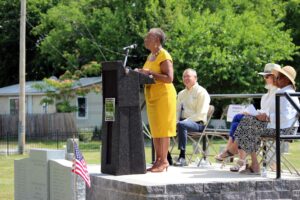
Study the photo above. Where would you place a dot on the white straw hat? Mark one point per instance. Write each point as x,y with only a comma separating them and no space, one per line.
289,72
268,68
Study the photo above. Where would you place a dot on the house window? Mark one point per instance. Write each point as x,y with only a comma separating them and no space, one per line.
14,106
82,107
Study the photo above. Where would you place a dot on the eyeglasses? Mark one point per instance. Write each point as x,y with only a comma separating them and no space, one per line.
279,77
267,76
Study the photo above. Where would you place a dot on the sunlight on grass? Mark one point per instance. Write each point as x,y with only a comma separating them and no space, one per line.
92,156
7,176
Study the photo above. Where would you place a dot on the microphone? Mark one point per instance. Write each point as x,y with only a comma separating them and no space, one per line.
133,46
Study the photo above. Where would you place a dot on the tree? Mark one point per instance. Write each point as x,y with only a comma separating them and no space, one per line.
231,43
9,40
226,41
291,21
61,91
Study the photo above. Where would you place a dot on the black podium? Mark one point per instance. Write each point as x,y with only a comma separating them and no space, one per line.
122,134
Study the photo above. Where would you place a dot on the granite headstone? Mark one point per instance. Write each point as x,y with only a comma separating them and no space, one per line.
21,179
32,175
62,181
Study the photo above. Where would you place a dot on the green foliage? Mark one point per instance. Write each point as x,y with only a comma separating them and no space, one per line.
226,41
97,133
37,65
91,69
230,45
61,91
291,21
65,107
85,136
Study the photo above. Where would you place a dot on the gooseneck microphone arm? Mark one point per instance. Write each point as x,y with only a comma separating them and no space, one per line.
125,59
133,46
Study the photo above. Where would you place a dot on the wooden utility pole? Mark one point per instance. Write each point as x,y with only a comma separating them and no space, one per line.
22,65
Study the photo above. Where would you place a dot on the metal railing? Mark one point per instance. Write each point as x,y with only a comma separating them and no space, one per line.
278,136
277,104
233,96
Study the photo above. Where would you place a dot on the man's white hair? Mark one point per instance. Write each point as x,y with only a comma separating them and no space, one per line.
190,70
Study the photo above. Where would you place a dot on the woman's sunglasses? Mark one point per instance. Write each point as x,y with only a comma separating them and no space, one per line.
268,76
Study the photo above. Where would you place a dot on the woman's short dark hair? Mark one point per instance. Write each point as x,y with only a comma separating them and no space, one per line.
159,33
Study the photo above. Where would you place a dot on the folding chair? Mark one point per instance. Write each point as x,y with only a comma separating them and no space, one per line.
196,138
223,133
267,148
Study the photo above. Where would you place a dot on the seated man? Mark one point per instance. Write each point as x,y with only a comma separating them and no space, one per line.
192,108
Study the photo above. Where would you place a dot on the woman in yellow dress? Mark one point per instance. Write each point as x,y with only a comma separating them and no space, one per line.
160,97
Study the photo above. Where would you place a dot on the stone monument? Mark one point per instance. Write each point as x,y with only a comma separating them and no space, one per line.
31,176
46,175
62,181
122,134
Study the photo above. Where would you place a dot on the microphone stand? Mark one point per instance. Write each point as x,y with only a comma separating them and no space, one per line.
126,56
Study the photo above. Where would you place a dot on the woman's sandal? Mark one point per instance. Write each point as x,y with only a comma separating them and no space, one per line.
249,171
222,156
239,164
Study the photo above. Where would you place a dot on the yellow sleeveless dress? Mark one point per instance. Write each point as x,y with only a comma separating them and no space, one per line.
160,101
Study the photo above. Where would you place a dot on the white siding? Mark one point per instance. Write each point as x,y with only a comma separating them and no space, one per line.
94,111
94,106
37,108
4,108
29,104
32,104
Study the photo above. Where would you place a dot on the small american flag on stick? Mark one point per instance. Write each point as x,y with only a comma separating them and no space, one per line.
79,166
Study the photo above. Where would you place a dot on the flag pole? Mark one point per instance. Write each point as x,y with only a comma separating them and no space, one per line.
75,175
80,166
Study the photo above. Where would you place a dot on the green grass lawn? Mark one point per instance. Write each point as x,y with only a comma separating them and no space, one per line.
7,176
93,157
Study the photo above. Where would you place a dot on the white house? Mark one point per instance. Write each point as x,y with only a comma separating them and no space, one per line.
89,113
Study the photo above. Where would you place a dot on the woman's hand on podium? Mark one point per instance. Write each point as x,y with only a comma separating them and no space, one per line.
144,71
136,69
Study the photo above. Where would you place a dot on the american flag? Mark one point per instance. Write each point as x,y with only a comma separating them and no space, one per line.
79,166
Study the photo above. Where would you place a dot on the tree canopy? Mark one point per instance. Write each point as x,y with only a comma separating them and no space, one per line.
226,41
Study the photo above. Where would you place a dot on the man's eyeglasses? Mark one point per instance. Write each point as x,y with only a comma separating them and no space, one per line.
279,77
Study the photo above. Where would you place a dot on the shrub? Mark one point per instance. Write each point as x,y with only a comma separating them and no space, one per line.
85,136
97,133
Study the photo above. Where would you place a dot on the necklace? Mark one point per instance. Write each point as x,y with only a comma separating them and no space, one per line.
156,53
